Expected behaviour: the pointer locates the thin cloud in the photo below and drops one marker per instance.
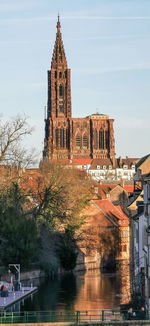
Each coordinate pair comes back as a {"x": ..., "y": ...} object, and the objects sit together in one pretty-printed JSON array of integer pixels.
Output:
[
  {"x": 107, "y": 17},
  {"x": 92, "y": 38},
  {"x": 23, "y": 86},
  {"x": 99, "y": 70},
  {"x": 110, "y": 37},
  {"x": 133, "y": 123},
  {"x": 48, "y": 18},
  {"x": 15, "y": 6},
  {"x": 23, "y": 41},
  {"x": 26, "y": 19}
]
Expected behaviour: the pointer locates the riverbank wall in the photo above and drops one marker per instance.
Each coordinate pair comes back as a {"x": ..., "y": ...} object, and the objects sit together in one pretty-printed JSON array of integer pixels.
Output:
[{"x": 28, "y": 275}]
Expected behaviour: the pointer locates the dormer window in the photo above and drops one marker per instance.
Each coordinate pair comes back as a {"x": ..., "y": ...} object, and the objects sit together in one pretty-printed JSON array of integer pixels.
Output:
[
  {"x": 110, "y": 167},
  {"x": 125, "y": 167},
  {"x": 98, "y": 167},
  {"x": 133, "y": 166},
  {"x": 104, "y": 167}
]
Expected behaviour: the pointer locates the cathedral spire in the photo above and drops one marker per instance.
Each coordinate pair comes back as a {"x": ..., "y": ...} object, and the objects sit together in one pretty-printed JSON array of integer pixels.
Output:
[
  {"x": 58, "y": 24},
  {"x": 58, "y": 52}
]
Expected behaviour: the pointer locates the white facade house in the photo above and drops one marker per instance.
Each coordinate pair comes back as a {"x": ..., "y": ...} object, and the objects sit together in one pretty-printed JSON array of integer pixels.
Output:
[
  {"x": 108, "y": 172},
  {"x": 105, "y": 169}
]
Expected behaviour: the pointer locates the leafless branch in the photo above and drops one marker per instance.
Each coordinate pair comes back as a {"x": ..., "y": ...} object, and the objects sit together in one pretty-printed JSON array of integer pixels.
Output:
[{"x": 12, "y": 133}]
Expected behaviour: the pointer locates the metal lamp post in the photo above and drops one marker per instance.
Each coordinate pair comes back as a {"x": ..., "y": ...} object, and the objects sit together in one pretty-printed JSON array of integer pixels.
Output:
[{"x": 17, "y": 268}]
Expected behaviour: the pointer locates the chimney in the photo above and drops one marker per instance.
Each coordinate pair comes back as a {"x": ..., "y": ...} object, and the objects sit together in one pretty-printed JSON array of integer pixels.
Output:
[
  {"x": 120, "y": 161},
  {"x": 122, "y": 183},
  {"x": 96, "y": 190}
]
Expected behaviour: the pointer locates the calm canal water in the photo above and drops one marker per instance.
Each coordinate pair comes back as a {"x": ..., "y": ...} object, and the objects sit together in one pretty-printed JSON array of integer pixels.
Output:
[{"x": 83, "y": 291}]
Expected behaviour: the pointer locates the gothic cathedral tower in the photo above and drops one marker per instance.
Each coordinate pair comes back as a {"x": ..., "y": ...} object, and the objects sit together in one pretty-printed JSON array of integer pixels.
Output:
[
  {"x": 57, "y": 128},
  {"x": 67, "y": 137}
]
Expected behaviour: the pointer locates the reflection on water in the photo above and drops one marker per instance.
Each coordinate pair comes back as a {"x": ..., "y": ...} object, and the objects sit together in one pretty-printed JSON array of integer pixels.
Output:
[
  {"x": 83, "y": 291},
  {"x": 97, "y": 291}
]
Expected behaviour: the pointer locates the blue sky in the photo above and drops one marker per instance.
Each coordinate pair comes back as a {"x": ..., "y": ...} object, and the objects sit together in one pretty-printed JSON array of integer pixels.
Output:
[{"x": 107, "y": 45}]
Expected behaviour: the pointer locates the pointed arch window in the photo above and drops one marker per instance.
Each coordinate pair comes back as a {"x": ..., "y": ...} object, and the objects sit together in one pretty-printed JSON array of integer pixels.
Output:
[
  {"x": 61, "y": 109},
  {"x": 96, "y": 139},
  {"x": 107, "y": 139},
  {"x": 56, "y": 88},
  {"x": 61, "y": 90},
  {"x": 60, "y": 74},
  {"x": 85, "y": 141},
  {"x": 78, "y": 142},
  {"x": 67, "y": 138},
  {"x": 101, "y": 139},
  {"x": 61, "y": 138},
  {"x": 56, "y": 135}
]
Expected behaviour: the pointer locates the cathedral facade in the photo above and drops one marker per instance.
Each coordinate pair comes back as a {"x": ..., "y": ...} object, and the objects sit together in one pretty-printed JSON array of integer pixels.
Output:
[{"x": 67, "y": 137}]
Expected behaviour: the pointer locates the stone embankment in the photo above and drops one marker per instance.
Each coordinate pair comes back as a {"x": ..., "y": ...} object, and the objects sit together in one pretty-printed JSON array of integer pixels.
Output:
[{"x": 29, "y": 275}]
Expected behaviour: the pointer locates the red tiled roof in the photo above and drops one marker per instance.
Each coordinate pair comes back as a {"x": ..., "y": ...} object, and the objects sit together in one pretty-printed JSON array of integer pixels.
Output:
[
  {"x": 115, "y": 213},
  {"x": 81, "y": 161},
  {"x": 29, "y": 180},
  {"x": 105, "y": 189},
  {"x": 101, "y": 162},
  {"x": 77, "y": 161},
  {"x": 95, "y": 217},
  {"x": 130, "y": 188},
  {"x": 126, "y": 161}
]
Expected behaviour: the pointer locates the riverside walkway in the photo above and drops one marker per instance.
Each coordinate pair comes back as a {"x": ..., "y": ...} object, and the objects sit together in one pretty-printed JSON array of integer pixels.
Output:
[{"x": 14, "y": 296}]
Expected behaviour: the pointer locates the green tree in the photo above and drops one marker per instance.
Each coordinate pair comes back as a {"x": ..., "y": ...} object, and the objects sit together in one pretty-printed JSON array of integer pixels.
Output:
[
  {"x": 62, "y": 195},
  {"x": 67, "y": 251},
  {"x": 18, "y": 238},
  {"x": 18, "y": 231}
]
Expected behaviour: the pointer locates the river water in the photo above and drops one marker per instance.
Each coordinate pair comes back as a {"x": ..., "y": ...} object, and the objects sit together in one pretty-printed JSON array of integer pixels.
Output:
[{"x": 82, "y": 291}]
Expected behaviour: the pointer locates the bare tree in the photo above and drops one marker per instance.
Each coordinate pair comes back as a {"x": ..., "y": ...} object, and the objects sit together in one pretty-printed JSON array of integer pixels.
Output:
[{"x": 12, "y": 133}]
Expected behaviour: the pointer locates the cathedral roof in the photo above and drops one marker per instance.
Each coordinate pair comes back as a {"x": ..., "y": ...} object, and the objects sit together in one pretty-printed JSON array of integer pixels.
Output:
[{"x": 98, "y": 115}]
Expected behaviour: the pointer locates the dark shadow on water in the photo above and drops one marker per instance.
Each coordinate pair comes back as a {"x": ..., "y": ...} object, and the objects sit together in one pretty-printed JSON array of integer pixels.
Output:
[
  {"x": 59, "y": 292},
  {"x": 68, "y": 292}
]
